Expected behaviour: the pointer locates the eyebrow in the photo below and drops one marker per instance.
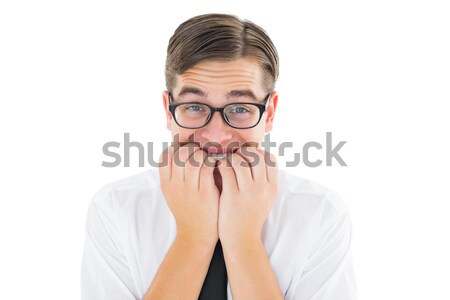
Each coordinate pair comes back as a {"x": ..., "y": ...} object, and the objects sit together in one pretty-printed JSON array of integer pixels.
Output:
[
  {"x": 191, "y": 90},
  {"x": 231, "y": 94},
  {"x": 242, "y": 93}
]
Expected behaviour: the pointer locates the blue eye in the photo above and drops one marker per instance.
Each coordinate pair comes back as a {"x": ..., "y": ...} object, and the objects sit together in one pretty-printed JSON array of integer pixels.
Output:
[
  {"x": 194, "y": 108},
  {"x": 239, "y": 109}
]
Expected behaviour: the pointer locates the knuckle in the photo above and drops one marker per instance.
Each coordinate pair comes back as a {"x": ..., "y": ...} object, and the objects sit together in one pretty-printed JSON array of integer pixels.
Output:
[
  {"x": 165, "y": 155},
  {"x": 233, "y": 159},
  {"x": 184, "y": 153},
  {"x": 244, "y": 163},
  {"x": 273, "y": 160},
  {"x": 200, "y": 155},
  {"x": 209, "y": 162},
  {"x": 193, "y": 163},
  {"x": 224, "y": 162},
  {"x": 204, "y": 170}
]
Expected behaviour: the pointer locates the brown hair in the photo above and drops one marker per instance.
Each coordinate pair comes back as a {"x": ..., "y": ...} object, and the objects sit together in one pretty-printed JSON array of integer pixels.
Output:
[{"x": 219, "y": 37}]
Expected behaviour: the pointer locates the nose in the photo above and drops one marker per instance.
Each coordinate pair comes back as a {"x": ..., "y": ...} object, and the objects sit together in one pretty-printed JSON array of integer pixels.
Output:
[{"x": 217, "y": 130}]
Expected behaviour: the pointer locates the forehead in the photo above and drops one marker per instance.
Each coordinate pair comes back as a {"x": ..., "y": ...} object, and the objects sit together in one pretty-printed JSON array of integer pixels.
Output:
[{"x": 214, "y": 77}]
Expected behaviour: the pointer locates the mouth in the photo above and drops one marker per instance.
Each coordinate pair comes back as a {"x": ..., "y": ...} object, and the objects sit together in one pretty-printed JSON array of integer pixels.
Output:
[
  {"x": 219, "y": 153},
  {"x": 218, "y": 156}
]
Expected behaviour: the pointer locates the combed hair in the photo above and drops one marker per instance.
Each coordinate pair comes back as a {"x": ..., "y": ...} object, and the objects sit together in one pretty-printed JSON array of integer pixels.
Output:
[{"x": 220, "y": 37}]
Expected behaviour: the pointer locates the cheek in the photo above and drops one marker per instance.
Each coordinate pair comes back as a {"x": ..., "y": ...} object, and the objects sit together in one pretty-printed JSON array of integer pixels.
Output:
[
  {"x": 182, "y": 134},
  {"x": 252, "y": 135}
]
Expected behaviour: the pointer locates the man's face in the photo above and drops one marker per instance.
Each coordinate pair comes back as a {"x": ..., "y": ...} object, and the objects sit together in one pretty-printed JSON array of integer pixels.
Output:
[{"x": 217, "y": 84}]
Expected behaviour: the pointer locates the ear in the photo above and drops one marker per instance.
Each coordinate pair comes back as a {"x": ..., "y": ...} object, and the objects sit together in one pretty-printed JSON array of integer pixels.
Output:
[
  {"x": 169, "y": 119},
  {"x": 270, "y": 111}
]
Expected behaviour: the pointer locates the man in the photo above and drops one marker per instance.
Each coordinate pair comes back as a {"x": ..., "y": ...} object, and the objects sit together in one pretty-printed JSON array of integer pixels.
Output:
[{"x": 218, "y": 219}]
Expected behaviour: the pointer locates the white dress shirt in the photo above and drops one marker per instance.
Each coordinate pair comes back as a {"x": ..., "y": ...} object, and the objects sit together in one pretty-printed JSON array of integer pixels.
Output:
[{"x": 129, "y": 230}]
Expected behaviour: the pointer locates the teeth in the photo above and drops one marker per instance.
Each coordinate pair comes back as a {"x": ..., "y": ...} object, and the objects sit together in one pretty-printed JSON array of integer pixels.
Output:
[{"x": 217, "y": 156}]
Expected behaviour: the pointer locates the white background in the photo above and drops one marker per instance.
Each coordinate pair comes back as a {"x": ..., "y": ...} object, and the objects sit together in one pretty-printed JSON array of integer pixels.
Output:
[{"x": 77, "y": 74}]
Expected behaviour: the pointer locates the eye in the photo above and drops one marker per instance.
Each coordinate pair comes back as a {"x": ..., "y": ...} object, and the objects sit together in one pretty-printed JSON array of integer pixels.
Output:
[
  {"x": 194, "y": 107},
  {"x": 238, "y": 109},
  {"x": 241, "y": 109}
]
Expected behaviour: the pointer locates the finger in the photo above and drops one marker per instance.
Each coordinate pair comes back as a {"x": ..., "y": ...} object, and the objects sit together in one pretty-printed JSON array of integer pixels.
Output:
[
  {"x": 180, "y": 157},
  {"x": 165, "y": 164},
  {"x": 256, "y": 162},
  {"x": 249, "y": 160},
  {"x": 206, "y": 177},
  {"x": 227, "y": 172},
  {"x": 193, "y": 165},
  {"x": 241, "y": 168},
  {"x": 271, "y": 165}
]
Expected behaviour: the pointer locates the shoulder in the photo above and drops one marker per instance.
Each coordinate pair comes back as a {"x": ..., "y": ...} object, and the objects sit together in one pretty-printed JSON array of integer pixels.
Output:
[
  {"x": 127, "y": 189},
  {"x": 303, "y": 216},
  {"x": 295, "y": 191}
]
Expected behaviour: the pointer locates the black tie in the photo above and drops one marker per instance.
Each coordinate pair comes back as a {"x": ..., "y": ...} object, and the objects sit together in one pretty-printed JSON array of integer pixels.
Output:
[{"x": 215, "y": 284}]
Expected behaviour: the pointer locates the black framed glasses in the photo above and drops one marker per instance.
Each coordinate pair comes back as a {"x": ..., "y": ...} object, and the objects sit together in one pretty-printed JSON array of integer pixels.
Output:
[{"x": 239, "y": 115}]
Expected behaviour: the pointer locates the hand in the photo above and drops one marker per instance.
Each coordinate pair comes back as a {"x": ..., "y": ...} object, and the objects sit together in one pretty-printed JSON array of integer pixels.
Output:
[
  {"x": 249, "y": 189},
  {"x": 188, "y": 186}
]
